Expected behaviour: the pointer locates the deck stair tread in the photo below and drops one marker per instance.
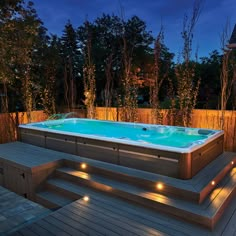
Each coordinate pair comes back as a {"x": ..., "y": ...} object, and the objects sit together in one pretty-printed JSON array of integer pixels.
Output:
[
  {"x": 212, "y": 170},
  {"x": 55, "y": 198},
  {"x": 105, "y": 183},
  {"x": 195, "y": 189},
  {"x": 195, "y": 185},
  {"x": 183, "y": 209}
]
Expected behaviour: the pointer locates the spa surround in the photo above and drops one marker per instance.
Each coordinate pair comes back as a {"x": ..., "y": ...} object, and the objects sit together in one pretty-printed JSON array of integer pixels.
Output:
[{"x": 171, "y": 162}]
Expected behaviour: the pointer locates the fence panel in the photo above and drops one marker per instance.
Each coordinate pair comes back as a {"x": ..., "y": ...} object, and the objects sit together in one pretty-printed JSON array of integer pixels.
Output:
[{"x": 10, "y": 121}]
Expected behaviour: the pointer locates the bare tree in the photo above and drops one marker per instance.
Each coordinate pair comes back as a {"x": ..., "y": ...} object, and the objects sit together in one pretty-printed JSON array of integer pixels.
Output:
[
  {"x": 228, "y": 73},
  {"x": 89, "y": 76},
  {"x": 160, "y": 73},
  {"x": 129, "y": 108},
  {"x": 109, "y": 82},
  {"x": 187, "y": 88},
  {"x": 128, "y": 99}
]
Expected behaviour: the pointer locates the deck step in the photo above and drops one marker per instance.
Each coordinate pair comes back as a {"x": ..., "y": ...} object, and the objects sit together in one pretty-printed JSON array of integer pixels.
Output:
[
  {"x": 194, "y": 190},
  {"x": 206, "y": 214},
  {"x": 52, "y": 200}
]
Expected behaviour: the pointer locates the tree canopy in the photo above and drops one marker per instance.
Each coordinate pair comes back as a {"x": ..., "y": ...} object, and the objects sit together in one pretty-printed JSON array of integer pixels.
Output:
[{"x": 43, "y": 71}]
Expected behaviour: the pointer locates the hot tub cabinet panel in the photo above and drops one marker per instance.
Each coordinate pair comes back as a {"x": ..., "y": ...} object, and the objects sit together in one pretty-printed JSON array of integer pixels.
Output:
[
  {"x": 149, "y": 159},
  {"x": 150, "y": 163},
  {"x": 33, "y": 137},
  {"x": 98, "y": 150},
  {"x": 204, "y": 155},
  {"x": 59, "y": 142},
  {"x": 174, "y": 163}
]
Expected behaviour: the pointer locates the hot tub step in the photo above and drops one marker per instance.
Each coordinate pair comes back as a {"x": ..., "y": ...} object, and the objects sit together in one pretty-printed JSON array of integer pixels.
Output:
[
  {"x": 206, "y": 214},
  {"x": 119, "y": 212},
  {"x": 194, "y": 190},
  {"x": 52, "y": 200}
]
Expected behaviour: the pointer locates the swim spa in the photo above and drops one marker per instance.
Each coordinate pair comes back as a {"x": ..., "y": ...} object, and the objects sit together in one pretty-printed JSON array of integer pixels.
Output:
[{"x": 168, "y": 150}]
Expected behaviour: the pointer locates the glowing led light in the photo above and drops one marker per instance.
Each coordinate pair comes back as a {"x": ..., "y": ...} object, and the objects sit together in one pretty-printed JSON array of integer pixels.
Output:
[
  {"x": 86, "y": 198},
  {"x": 83, "y": 166},
  {"x": 213, "y": 182},
  {"x": 232, "y": 162},
  {"x": 159, "y": 186}
]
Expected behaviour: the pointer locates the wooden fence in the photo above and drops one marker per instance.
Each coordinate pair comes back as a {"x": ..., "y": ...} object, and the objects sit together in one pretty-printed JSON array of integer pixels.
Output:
[
  {"x": 10, "y": 121},
  {"x": 210, "y": 119}
]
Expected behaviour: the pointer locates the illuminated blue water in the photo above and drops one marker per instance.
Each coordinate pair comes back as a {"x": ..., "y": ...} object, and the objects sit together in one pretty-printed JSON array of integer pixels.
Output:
[{"x": 153, "y": 134}]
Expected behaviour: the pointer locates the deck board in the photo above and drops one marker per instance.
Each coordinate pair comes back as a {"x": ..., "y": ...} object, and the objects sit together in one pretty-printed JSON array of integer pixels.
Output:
[
  {"x": 53, "y": 229},
  {"x": 28, "y": 156},
  {"x": 123, "y": 226},
  {"x": 91, "y": 221},
  {"x": 16, "y": 211},
  {"x": 64, "y": 227},
  {"x": 122, "y": 220},
  {"x": 69, "y": 219},
  {"x": 135, "y": 217},
  {"x": 39, "y": 230},
  {"x": 28, "y": 232},
  {"x": 230, "y": 224}
]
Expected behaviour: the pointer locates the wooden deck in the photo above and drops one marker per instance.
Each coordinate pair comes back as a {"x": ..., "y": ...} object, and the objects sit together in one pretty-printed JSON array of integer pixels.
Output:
[
  {"x": 16, "y": 211},
  {"x": 122, "y": 201},
  {"x": 103, "y": 215}
]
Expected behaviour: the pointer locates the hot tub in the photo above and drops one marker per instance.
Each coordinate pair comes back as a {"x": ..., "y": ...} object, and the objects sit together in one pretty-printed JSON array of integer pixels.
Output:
[{"x": 167, "y": 150}]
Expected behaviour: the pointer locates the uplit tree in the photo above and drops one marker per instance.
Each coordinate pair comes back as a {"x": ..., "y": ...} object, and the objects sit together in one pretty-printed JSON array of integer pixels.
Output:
[
  {"x": 52, "y": 68},
  {"x": 187, "y": 83},
  {"x": 228, "y": 73},
  {"x": 8, "y": 12},
  {"x": 19, "y": 26},
  {"x": 159, "y": 74},
  {"x": 134, "y": 39},
  {"x": 86, "y": 36}
]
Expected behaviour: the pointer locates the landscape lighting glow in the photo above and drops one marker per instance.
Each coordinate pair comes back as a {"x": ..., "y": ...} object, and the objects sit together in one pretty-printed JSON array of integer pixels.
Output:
[
  {"x": 86, "y": 198},
  {"x": 83, "y": 166},
  {"x": 159, "y": 186}
]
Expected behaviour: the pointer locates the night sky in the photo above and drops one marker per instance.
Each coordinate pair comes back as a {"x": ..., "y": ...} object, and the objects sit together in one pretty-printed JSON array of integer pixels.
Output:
[{"x": 169, "y": 13}]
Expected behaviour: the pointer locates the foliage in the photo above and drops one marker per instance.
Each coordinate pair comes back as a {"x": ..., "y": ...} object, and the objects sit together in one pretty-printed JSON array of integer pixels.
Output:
[
  {"x": 209, "y": 72},
  {"x": 8, "y": 11},
  {"x": 228, "y": 74},
  {"x": 159, "y": 74},
  {"x": 107, "y": 59},
  {"x": 19, "y": 27},
  {"x": 51, "y": 68},
  {"x": 108, "y": 62},
  {"x": 187, "y": 84},
  {"x": 134, "y": 40},
  {"x": 72, "y": 65},
  {"x": 89, "y": 74}
]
